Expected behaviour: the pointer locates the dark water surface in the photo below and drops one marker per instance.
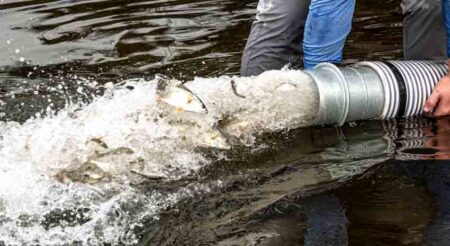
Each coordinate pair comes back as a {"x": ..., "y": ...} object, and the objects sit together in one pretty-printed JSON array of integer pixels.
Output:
[{"x": 368, "y": 183}]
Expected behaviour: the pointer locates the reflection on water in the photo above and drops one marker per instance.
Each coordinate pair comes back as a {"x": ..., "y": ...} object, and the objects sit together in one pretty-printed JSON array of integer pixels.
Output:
[
  {"x": 350, "y": 182},
  {"x": 382, "y": 183},
  {"x": 427, "y": 142},
  {"x": 128, "y": 35}
]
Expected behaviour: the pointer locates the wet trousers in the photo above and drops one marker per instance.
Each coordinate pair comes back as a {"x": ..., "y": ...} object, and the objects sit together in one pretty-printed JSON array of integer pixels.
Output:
[{"x": 276, "y": 37}]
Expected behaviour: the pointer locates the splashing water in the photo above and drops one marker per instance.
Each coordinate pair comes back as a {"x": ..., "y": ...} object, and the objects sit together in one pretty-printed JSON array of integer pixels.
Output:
[
  {"x": 35, "y": 208},
  {"x": 101, "y": 146},
  {"x": 248, "y": 106}
]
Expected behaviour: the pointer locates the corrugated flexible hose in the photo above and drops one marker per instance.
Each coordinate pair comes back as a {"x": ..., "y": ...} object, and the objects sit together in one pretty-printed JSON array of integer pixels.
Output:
[{"x": 375, "y": 90}]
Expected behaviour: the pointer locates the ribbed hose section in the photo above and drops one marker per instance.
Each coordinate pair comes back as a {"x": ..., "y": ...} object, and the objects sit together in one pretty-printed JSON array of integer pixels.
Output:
[{"x": 406, "y": 84}]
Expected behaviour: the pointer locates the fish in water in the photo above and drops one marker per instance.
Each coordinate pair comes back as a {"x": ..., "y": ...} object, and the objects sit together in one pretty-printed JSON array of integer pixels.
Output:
[
  {"x": 174, "y": 93},
  {"x": 239, "y": 108},
  {"x": 206, "y": 113}
]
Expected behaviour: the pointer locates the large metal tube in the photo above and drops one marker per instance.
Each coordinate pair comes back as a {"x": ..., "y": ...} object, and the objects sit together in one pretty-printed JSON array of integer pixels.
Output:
[{"x": 374, "y": 90}]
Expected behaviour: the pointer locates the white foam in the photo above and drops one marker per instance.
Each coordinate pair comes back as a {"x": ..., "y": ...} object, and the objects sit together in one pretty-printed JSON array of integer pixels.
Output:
[
  {"x": 33, "y": 152},
  {"x": 124, "y": 131}
]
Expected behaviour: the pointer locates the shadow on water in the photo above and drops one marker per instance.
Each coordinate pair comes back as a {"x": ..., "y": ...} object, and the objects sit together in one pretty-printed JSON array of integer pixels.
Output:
[
  {"x": 382, "y": 193},
  {"x": 374, "y": 172},
  {"x": 368, "y": 183}
]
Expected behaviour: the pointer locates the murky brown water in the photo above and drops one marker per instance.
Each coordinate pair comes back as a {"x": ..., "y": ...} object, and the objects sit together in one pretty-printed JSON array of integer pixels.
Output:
[{"x": 372, "y": 183}]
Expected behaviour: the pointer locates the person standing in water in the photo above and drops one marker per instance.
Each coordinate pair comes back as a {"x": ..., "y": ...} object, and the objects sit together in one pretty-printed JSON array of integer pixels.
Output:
[{"x": 286, "y": 30}]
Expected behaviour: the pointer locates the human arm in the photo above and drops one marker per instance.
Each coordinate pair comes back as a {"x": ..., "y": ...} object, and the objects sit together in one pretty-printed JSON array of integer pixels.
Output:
[
  {"x": 328, "y": 24},
  {"x": 438, "y": 104}
]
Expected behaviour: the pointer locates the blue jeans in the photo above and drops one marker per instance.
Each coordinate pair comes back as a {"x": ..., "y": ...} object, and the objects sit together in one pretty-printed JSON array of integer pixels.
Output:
[{"x": 277, "y": 35}]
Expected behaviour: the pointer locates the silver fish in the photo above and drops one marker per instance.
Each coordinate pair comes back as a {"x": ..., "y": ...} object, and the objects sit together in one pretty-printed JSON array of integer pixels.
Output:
[
  {"x": 245, "y": 107},
  {"x": 175, "y": 94},
  {"x": 209, "y": 113}
]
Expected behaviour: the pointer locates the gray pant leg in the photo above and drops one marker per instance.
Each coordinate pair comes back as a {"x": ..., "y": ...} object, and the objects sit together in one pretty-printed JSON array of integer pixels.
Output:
[
  {"x": 276, "y": 36},
  {"x": 423, "y": 30}
]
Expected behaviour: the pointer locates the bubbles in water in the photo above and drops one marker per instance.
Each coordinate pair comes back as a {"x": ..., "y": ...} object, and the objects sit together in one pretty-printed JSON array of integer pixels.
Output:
[
  {"x": 121, "y": 133},
  {"x": 67, "y": 177},
  {"x": 248, "y": 106}
]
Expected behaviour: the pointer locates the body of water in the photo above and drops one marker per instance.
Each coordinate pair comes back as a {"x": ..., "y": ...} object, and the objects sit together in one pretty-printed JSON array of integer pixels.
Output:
[{"x": 75, "y": 95}]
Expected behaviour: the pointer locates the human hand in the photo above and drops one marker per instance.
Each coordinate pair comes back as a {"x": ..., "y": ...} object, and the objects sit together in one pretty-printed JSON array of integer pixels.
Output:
[{"x": 438, "y": 104}]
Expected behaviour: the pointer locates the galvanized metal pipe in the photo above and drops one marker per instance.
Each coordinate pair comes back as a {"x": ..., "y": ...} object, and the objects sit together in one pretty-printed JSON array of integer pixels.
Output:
[{"x": 374, "y": 90}]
